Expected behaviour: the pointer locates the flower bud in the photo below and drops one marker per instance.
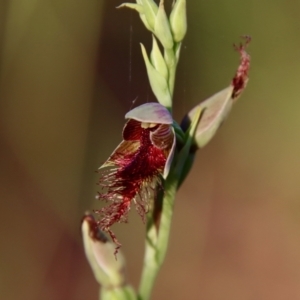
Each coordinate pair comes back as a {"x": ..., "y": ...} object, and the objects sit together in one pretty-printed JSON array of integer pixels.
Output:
[
  {"x": 178, "y": 20},
  {"x": 158, "y": 82},
  {"x": 108, "y": 271},
  {"x": 158, "y": 61},
  {"x": 149, "y": 11},
  {"x": 162, "y": 27}
]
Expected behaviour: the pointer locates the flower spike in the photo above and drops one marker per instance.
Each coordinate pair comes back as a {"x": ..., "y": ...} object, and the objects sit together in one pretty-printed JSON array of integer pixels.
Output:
[{"x": 137, "y": 165}]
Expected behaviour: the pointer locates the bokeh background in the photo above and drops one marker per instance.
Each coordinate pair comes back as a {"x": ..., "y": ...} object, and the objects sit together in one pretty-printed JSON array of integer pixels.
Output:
[{"x": 70, "y": 70}]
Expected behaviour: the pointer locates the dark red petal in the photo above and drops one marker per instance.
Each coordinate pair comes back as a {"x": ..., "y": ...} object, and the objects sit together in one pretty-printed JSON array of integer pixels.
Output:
[
  {"x": 162, "y": 137},
  {"x": 132, "y": 130}
]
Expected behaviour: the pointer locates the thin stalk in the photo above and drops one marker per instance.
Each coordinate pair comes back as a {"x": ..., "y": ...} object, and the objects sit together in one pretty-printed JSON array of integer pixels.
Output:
[
  {"x": 119, "y": 293},
  {"x": 157, "y": 244},
  {"x": 157, "y": 236},
  {"x": 157, "y": 241}
]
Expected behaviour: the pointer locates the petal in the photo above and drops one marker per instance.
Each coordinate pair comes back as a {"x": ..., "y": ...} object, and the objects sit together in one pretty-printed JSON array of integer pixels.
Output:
[
  {"x": 151, "y": 112},
  {"x": 164, "y": 138},
  {"x": 132, "y": 131}
]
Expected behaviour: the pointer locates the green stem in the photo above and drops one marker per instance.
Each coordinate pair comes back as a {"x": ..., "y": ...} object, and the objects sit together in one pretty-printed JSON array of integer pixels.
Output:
[
  {"x": 166, "y": 217},
  {"x": 149, "y": 273},
  {"x": 121, "y": 293},
  {"x": 157, "y": 243},
  {"x": 157, "y": 239},
  {"x": 157, "y": 236},
  {"x": 186, "y": 168},
  {"x": 171, "y": 63}
]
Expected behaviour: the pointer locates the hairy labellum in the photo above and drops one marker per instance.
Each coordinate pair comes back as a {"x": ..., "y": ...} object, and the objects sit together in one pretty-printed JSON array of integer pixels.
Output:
[{"x": 137, "y": 165}]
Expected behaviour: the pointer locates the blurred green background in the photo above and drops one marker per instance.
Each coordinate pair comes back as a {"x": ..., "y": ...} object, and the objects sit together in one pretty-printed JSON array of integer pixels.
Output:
[{"x": 70, "y": 70}]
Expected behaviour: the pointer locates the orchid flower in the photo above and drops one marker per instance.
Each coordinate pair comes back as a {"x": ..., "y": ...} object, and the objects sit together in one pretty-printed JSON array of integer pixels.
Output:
[
  {"x": 143, "y": 164},
  {"x": 136, "y": 167}
]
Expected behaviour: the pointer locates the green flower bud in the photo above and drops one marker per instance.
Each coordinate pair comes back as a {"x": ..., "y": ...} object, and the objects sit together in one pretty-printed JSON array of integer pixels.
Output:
[
  {"x": 157, "y": 60},
  {"x": 162, "y": 27},
  {"x": 144, "y": 20},
  {"x": 149, "y": 12},
  {"x": 178, "y": 20},
  {"x": 158, "y": 83}
]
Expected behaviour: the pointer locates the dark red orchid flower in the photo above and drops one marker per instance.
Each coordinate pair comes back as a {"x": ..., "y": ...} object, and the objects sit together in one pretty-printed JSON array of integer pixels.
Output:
[{"x": 134, "y": 170}]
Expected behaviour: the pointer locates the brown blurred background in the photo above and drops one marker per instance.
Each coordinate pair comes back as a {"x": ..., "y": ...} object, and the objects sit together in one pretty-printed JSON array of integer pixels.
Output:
[{"x": 70, "y": 70}]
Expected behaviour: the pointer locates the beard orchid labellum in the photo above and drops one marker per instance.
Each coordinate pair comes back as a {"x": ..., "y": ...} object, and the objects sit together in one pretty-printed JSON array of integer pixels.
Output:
[{"x": 134, "y": 170}]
